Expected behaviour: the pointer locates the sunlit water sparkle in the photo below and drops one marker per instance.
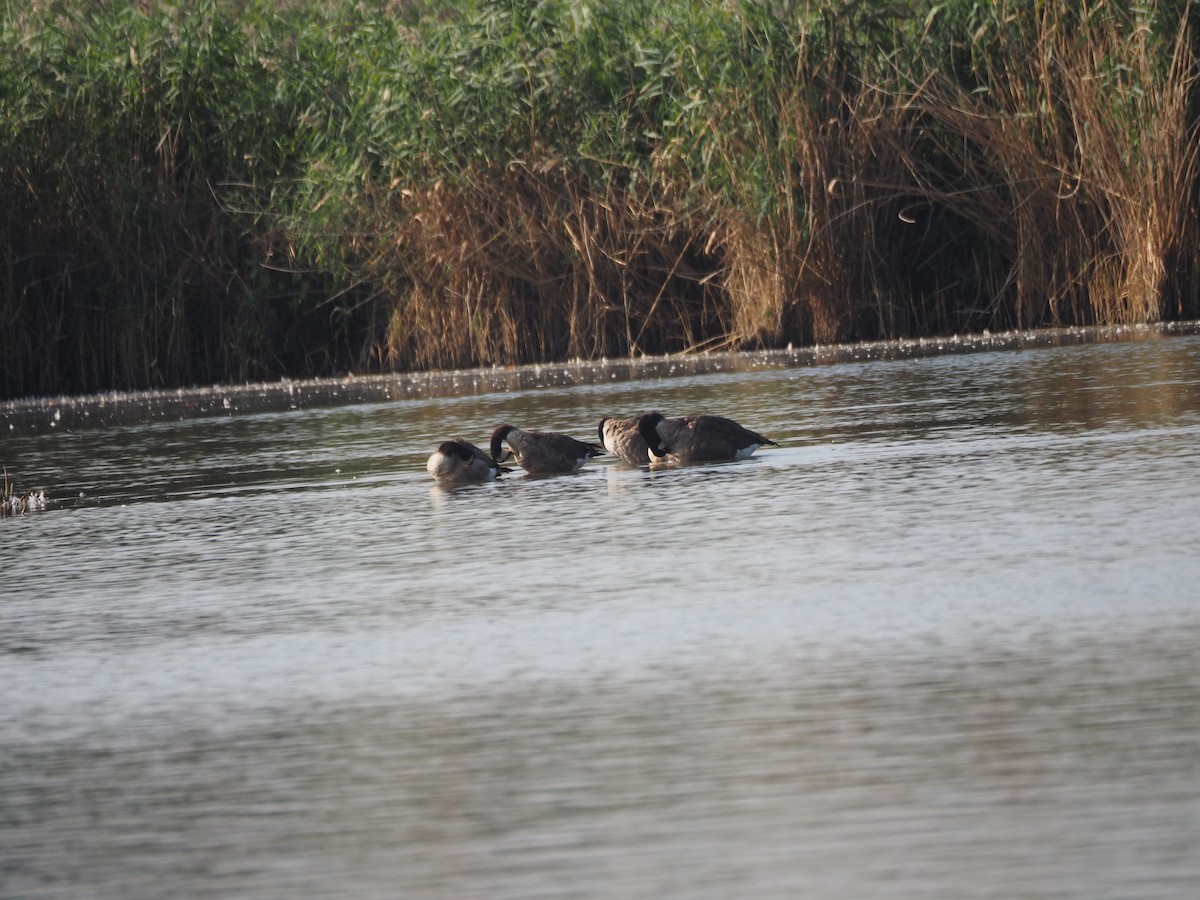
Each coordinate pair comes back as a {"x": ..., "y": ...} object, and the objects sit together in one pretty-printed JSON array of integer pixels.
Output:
[{"x": 941, "y": 643}]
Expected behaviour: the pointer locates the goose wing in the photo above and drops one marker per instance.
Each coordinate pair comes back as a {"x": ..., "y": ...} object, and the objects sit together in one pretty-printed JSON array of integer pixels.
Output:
[
  {"x": 708, "y": 438},
  {"x": 545, "y": 452}
]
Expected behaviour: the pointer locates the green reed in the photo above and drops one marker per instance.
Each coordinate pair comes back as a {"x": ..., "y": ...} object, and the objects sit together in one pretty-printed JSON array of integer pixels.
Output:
[{"x": 214, "y": 191}]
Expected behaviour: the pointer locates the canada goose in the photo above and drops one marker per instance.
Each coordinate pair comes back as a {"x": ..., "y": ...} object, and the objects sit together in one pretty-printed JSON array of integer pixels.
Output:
[
  {"x": 622, "y": 438},
  {"x": 461, "y": 462},
  {"x": 543, "y": 452},
  {"x": 697, "y": 438}
]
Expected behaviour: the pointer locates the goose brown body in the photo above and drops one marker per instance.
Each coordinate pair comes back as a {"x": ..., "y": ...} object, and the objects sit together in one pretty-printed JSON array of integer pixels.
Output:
[
  {"x": 543, "y": 452},
  {"x": 621, "y": 437},
  {"x": 697, "y": 439},
  {"x": 461, "y": 462}
]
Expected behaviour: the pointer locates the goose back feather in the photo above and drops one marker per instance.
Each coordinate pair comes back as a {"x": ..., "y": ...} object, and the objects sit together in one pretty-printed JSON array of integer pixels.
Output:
[
  {"x": 543, "y": 452},
  {"x": 698, "y": 439},
  {"x": 461, "y": 462}
]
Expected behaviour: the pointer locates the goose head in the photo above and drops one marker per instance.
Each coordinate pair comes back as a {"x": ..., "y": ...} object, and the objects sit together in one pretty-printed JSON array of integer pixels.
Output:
[
  {"x": 648, "y": 429},
  {"x": 499, "y": 454}
]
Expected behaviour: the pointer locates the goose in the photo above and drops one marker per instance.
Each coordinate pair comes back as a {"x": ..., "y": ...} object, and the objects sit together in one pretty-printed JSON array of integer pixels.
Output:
[
  {"x": 543, "y": 452},
  {"x": 697, "y": 439},
  {"x": 461, "y": 462},
  {"x": 622, "y": 438}
]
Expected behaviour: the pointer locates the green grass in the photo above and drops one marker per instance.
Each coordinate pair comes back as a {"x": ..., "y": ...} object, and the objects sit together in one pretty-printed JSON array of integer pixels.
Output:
[{"x": 217, "y": 191}]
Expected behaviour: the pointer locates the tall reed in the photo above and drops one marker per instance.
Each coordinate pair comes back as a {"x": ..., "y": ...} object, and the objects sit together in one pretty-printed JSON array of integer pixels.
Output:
[
  {"x": 1076, "y": 157},
  {"x": 232, "y": 189},
  {"x": 143, "y": 157}
]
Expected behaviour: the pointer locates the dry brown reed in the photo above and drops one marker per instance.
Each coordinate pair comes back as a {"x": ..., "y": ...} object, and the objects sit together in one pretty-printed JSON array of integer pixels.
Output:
[
  {"x": 1079, "y": 165},
  {"x": 906, "y": 208},
  {"x": 528, "y": 263}
]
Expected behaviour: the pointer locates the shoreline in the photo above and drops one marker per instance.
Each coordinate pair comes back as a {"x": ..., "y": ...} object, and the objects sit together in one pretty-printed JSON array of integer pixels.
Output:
[{"x": 47, "y": 414}]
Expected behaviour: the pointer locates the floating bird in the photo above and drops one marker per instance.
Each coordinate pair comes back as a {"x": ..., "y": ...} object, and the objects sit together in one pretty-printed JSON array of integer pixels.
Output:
[
  {"x": 461, "y": 462},
  {"x": 622, "y": 438},
  {"x": 543, "y": 452},
  {"x": 697, "y": 439},
  {"x": 18, "y": 504}
]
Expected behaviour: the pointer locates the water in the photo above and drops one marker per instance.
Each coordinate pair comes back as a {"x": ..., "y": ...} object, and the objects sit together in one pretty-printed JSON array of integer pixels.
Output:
[{"x": 943, "y": 642}]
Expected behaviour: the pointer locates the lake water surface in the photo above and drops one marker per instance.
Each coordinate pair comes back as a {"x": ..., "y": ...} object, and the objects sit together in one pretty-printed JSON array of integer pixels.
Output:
[{"x": 943, "y": 642}]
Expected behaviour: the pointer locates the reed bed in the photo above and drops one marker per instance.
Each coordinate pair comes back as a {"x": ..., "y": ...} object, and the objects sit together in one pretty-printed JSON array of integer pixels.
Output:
[{"x": 236, "y": 189}]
